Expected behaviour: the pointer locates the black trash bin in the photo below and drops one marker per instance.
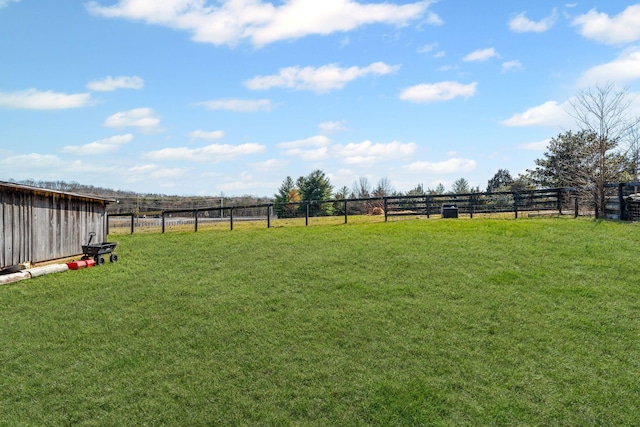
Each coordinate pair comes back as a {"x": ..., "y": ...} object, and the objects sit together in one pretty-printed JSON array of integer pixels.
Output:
[{"x": 449, "y": 212}]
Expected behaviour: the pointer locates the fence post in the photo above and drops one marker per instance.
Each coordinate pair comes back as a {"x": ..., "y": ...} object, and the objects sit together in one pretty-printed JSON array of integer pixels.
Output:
[
  {"x": 306, "y": 213},
  {"x": 471, "y": 206},
  {"x": 195, "y": 213},
  {"x": 516, "y": 196},
  {"x": 427, "y": 202},
  {"x": 162, "y": 221},
  {"x": 386, "y": 206},
  {"x": 269, "y": 216},
  {"x": 576, "y": 204},
  {"x": 559, "y": 201},
  {"x": 345, "y": 211},
  {"x": 621, "y": 202},
  {"x": 231, "y": 217}
]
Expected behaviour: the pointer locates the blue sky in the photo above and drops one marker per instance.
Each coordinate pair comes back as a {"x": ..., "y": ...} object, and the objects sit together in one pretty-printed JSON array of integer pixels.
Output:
[{"x": 196, "y": 97}]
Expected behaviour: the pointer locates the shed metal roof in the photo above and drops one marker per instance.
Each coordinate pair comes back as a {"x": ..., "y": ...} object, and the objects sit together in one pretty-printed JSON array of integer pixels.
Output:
[{"x": 46, "y": 191}]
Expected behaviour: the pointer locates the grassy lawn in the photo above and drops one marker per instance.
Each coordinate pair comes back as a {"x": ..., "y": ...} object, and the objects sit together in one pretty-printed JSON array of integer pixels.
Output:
[{"x": 440, "y": 322}]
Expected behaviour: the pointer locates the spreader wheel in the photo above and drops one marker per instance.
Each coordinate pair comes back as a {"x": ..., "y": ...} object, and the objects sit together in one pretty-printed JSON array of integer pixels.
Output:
[
  {"x": 98, "y": 259},
  {"x": 113, "y": 258}
]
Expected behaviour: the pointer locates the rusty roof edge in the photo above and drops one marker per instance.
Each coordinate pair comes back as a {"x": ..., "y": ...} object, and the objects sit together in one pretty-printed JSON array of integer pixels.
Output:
[{"x": 48, "y": 191}]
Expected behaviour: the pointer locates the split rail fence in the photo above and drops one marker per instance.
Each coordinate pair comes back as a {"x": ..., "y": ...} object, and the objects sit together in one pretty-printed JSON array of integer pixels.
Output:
[{"x": 552, "y": 201}]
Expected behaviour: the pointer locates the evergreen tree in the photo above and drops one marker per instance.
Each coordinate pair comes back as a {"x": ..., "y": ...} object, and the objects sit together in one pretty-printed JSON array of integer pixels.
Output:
[
  {"x": 568, "y": 162},
  {"x": 285, "y": 192},
  {"x": 417, "y": 191},
  {"x": 501, "y": 181},
  {"x": 460, "y": 186},
  {"x": 438, "y": 190},
  {"x": 316, "y": 187}
]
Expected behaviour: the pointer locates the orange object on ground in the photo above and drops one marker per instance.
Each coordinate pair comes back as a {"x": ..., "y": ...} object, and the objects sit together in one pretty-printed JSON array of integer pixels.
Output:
[{"x": 77, "y": 265}]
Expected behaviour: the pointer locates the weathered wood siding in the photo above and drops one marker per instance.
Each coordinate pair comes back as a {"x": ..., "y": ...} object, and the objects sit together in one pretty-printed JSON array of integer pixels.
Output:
[{"x": 38, "y": 225}]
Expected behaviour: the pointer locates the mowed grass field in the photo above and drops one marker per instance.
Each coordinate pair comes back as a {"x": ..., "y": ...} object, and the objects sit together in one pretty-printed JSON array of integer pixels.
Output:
[{"x": 431, "y": 322}]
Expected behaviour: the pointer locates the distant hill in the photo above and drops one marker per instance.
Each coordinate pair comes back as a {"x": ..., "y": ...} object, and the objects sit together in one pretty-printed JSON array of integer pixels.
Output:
[{"x": 130, "y": 201}]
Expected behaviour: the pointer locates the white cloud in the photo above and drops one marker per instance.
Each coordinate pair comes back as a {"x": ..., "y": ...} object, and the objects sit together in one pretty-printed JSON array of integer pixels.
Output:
[
  {"x": 433, "y": 19},
  {"x": 308, "y": 155},
  {"x": 624, "y": 69},
  {"x": 238, "y": 105},
  {"x": 213, "y": 153},
  {"x": 231, "y": 21},
  {"x": 363, "y": 153},
  {"x": 521, "y": 24},
  {"x": 33, "y": 99},
  {"x": 622, "y": 28},
  {"x": 368, "y": 153},
  {"x": 50, "y": 167},
  {"x": 549, "y": 114},
  {"x": 34, "y": 160},
  {"x": 151, "y": 171},
  {"x": 308, "y": 149},
  {"x": 269, "y": 165},
  {"x": 142, "y": 168},
  {"x": 443, "y": 91},
  {"x": 454, "y": 165},
  {"x": 331, "y": 127},
  {"x": 319, "y": 79},
  {"x": 168, "y": 173},
  {"x": 536, "y": 146},
  {"x": 245, "y": 182},
  {"x": 511, "y": 66},
  {"x": 481, "y": 55},
  {"x": 4, "y": 3},
  {"x": 314, "y": 141},
  {"x": 144, "y": 119},
  {"x": 201, "y": 134},
  {"x": 109, "y": 83},
  {"x": 101, "y": 146},
  {"x": 427, "y": 48}
]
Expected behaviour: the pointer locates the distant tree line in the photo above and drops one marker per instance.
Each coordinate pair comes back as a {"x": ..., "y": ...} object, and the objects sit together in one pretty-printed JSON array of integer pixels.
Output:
[
  {"x": 144, "y": 203},
  {"x": 605, "y": 148},
  {"x": 317, "y": 187}
]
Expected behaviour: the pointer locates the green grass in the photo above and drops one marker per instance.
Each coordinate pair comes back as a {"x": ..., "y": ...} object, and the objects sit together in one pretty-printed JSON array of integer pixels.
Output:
[{"x": 442, "y": 322}]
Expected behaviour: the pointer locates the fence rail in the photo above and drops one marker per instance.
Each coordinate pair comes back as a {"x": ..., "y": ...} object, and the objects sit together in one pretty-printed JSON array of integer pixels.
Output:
[
  {"x": 622, "y": 201},
  {"x": 558, "y": 200}
]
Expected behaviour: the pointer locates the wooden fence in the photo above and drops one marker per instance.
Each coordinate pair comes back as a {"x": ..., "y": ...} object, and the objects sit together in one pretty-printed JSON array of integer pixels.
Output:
[
  {"x": 622, "y": 201},
  {"x": 551, "y": 201}
]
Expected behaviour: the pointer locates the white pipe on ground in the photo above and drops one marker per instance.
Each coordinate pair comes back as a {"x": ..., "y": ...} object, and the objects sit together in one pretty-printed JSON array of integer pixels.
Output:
[
  {"x": 14, "y": 277},
  {"x": 32, "y": 272},
  {"x": 47, "y": 269}
]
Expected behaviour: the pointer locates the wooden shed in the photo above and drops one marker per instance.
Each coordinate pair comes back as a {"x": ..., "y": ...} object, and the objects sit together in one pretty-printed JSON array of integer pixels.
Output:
[{"x": 38, "y": 225}]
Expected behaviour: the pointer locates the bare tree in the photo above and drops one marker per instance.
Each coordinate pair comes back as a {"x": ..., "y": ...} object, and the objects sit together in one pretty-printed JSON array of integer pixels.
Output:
[
  {"x": 633, "y": 149},
  {"x": 362, "y": 188},
  {"x": 384, "y": 188},
  {"x": 603, "y": 111}
]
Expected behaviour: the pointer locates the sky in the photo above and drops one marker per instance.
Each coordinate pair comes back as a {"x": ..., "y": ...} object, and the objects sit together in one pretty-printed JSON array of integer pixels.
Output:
[{"x": 204, "y": 97}]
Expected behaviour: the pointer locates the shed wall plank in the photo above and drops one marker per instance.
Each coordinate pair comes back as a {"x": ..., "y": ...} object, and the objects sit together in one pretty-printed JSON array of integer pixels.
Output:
[{"x": 36, "y": 226}]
